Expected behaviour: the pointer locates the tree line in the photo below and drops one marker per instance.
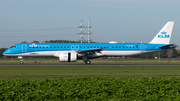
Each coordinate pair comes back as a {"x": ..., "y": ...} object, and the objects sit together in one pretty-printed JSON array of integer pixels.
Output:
[
  {"x": 58, "y": 41},
  {"x": 169, "y": 53}
]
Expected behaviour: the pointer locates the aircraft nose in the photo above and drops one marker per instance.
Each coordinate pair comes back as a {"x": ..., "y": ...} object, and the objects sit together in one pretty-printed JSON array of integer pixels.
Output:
[{"x": 5, "y": 52}]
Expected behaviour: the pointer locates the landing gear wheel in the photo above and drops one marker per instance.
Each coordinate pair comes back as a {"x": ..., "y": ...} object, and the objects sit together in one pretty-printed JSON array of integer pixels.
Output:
[
  {"x": 21, "y": 62},
  {"x": 88, "y": 62}
]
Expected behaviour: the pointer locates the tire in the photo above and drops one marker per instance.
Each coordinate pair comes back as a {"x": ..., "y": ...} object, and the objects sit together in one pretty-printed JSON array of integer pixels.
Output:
[
  {"x": 88, "y": 62},
  {"x": 21, "y": 62}
]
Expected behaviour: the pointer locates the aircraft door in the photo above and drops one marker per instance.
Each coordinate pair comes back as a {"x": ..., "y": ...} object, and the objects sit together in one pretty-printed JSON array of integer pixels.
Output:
[
  {"x": 142, "y": 47},
  {"x": 24, "y": 47}
]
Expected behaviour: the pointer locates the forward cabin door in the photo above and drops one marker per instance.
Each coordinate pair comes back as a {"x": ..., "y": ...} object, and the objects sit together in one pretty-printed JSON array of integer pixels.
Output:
[{"x": 24, "y": 47}]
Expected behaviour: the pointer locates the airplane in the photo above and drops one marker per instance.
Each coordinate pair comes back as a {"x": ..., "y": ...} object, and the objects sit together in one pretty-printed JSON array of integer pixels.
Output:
[{"x": 70, "y": 52}]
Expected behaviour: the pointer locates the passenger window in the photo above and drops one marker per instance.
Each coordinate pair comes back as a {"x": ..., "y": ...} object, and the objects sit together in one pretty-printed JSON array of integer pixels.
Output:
[
  {"x": 64, "y": 47},
  {"x": 29, "y": 47},
  {"x": 80, "y": 46},
  {"x": 123, "y": 46},
  {"x": 97, "y": 46},
  {"x": 54, "y": 47},
  {"x": 133, "y": 46},
  {"x": 51, "y": 47},
  {"x": 43, "y": 47},
  {"x": 119, "y": 46},
  {"x": 39, "y": 47},
  {"x": 116, "y": 47},
  {"x": 113, "y": 47},
  {"x": 88, "y": 47},
  {"x": 36, "y": 47},
  {"x": 76, "y": 46},
  {"x": 94, "y": 46},
  {"x": 33, "y": 47},
  {"x": 126, "y": 46},
  {"x": 136, "y": 46},
  {"x": 84, "y": 47},
  {"x": 91, "y": 46},
  {"x": 58, "y": 47},
  {"x": 46, "y": 47}
]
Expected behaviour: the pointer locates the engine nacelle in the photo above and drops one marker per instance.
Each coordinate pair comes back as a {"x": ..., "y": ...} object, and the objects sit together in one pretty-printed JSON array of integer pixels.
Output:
[{"x": 68, "y": 57}]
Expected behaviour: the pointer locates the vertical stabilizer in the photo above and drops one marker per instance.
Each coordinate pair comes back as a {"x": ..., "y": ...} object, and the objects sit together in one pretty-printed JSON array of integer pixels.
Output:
[{"x": 164, "y": 35}]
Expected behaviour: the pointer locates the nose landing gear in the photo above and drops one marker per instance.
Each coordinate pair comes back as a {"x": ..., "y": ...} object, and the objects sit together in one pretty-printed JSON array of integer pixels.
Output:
[{"x": 21, "y": 61}]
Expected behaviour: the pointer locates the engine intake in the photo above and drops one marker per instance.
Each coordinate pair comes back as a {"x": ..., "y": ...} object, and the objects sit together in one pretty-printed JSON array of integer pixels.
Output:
[{"x": 68, "y": 57}]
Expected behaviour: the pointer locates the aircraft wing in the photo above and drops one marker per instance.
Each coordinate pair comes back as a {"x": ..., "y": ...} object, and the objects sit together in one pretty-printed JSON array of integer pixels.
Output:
[{"x": 90, "y": 50}]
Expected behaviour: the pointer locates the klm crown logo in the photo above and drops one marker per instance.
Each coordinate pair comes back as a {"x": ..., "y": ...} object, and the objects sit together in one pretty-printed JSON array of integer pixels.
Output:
[
  {"x": 163, "y": 35},
  {"x": 163, "y": 32},
  {"x": 65, "y": 56},
  {"x": 33, "y": 45}
]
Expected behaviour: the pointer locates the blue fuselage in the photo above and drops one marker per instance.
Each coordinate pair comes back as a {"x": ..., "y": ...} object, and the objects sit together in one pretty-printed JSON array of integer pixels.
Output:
[{"x": 34, "y": 48}]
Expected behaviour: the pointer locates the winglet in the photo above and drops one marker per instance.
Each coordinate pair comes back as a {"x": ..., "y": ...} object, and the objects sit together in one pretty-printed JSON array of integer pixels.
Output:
[{"x": 164, "y": 35}]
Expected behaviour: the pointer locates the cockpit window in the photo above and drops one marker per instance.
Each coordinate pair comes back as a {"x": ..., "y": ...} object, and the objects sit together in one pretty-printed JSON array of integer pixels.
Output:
[{"x": 13, "y": 47}]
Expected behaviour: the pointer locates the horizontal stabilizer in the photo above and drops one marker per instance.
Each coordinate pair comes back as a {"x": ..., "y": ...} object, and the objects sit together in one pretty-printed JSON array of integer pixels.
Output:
[
  {"x": 174, "y": 46},
  {"x": 166, "y": 46}
]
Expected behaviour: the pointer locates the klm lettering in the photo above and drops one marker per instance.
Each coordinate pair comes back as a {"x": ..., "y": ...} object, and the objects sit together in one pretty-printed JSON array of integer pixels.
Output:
[{"x": 163, "y": 36}]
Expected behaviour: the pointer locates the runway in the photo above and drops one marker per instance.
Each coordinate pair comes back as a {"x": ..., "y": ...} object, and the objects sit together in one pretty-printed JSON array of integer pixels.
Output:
[{"x": 90, "y": 65}]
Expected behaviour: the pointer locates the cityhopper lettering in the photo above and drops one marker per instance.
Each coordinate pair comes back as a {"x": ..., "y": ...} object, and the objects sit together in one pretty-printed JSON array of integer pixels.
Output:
[{"x": 163, "y": 35}]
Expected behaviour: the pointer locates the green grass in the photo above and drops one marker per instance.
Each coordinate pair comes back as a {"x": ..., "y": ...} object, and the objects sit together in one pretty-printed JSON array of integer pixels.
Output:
[
  {"x": 116, "y": 83},
  {"x": 93, "y": 61},
  {"x": 55, "y": 72}
]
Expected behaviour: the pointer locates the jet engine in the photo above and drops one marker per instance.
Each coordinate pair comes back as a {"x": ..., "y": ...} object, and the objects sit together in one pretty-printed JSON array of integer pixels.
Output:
[{"x": 68, "y": 57}]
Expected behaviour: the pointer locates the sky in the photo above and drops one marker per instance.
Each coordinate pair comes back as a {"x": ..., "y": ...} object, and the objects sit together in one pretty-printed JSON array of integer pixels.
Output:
[{"x": 111, "y": 20}]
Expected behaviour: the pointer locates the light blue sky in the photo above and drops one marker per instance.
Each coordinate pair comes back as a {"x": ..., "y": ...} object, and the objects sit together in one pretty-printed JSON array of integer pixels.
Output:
[{"x": 111, "y": 20}]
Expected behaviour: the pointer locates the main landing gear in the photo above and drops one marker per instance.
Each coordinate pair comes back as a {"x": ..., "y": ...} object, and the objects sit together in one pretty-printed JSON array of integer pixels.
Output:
[
  {"x": 85, "y": 59},
  {"x": 88, "y": 62}
]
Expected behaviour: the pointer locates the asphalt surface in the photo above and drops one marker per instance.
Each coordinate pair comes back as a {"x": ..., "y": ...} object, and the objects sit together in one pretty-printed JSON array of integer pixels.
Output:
[{"x": 90, "y": 65}]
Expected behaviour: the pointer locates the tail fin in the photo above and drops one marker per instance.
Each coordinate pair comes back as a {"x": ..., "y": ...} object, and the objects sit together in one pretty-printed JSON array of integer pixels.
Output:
[{"x": 164, "y": 35}]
